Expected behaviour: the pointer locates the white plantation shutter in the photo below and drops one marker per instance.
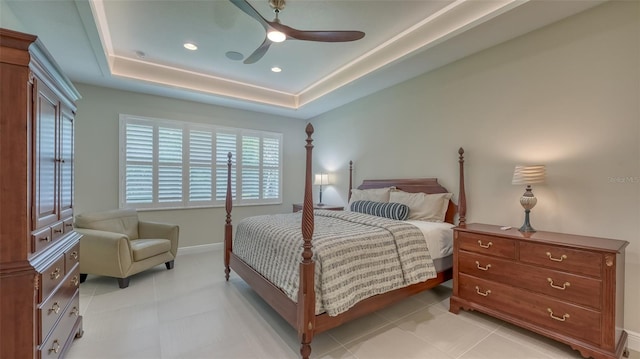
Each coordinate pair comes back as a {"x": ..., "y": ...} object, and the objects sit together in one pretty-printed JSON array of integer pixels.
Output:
[
  {"x": 174, "y": 164},
  {"x": 271, "y": 168},
  {"x": 200, "y": 169},
  {"x": 169, "y": 164},
  {"x": 139, "y": 163},
  {"x": 250, "y": 167}
]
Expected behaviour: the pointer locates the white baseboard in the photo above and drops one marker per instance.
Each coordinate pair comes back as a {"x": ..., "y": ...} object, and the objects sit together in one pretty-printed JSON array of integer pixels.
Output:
[
  {"x": 201, "y": 248},
  {"x": 634, "y": 341}
]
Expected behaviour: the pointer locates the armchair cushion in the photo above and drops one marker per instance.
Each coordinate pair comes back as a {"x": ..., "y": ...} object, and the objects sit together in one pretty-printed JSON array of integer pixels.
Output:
[
  {"x": 146, "y": 248},
  {"x": 123, "y": 221}
]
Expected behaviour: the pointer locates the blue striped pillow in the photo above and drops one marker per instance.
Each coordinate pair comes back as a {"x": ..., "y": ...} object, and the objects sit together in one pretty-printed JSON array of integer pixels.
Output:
[{"x": 389, "y": 210}]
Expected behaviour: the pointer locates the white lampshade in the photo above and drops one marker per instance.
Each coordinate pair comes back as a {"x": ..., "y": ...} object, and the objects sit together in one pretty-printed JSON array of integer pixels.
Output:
[
  {"x": 528, "y": 174},
  {"x": 321, "y": 179}
]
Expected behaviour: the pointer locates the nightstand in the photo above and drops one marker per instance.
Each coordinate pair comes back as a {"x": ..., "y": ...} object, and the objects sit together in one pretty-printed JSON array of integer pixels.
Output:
[
  {"x": 569, "y": 288},
  {"x": 298, "y": 207}
]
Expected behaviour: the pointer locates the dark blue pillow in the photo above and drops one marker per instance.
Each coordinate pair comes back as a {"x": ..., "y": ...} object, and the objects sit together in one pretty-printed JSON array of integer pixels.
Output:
[{"x": 389, "y": 210}]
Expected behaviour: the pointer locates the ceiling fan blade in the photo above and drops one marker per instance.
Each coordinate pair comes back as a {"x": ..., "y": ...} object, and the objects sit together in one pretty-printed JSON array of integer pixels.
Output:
[
  {"x": 313, "y": 35},
  {"x": 249, "y": 10},
  {"x": 259, "y": 52}
]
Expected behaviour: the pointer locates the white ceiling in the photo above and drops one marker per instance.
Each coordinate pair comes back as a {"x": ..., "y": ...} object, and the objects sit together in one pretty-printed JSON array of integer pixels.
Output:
[{"x": 96, "y": 42}]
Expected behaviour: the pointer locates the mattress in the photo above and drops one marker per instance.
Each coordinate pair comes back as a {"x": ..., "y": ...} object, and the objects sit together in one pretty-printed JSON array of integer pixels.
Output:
[{"x": 439, "y": 238}]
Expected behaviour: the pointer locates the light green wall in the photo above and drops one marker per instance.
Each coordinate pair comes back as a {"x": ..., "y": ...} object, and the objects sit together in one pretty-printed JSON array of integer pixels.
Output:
[
  {"x": 567, "y": 96},
  {"x": 8, "y": 19},
  {"x": 96, "y": 161}
]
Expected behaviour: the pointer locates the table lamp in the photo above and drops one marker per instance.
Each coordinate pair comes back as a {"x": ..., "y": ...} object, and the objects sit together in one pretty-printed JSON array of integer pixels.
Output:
[{"x": 528, "y": 175}]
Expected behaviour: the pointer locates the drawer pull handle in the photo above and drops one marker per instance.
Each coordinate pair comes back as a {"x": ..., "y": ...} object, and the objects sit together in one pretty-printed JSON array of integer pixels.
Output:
[
  {"x": 485, "y": 293},
  {"x": 562, "y": 257},
  {"x": 57, "y": 230},
  {"x": 55, "y": 308},
  {"x": 75, "y": 281},
  {"x": 68, "y": 224},
  {"x": 45, "y": 239},
  {"x": 483, "y": 268},
  {"x": 74, "y": 255},
  {"x": 564, "y": 316},
  {"x": 55, "y": 274},
  {"x": 564, "y": 286},
  {"x": 485, "y": 245},
  {"x": 55, "y": 347},
  {"x": 74, "y": 311}
]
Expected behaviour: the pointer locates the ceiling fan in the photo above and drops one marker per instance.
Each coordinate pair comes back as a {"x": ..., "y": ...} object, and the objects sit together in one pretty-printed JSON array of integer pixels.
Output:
[{"x": 277, "y": 32}]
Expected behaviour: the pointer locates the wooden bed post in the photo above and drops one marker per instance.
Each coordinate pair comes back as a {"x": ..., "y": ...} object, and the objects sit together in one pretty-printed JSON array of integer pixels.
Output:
[
  {"x": 350, "y": 181},
  {"x": 462, "y": 199},
  {"x": 306, "y": 292},
  {"x": 228, "y": 228}
]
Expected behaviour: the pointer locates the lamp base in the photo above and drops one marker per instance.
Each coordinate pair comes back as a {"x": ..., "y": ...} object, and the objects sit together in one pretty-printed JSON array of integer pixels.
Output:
[{"x": 526, "y": 227}]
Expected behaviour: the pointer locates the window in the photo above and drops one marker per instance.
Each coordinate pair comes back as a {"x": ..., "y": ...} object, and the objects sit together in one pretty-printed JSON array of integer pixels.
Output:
[{"x": 174, "y": 164}]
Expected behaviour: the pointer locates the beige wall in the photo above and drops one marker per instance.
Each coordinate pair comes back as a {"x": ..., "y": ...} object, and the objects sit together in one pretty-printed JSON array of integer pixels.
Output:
[
  {"x": 96, "y": 187},
  {"x": 566, "y": 96}
]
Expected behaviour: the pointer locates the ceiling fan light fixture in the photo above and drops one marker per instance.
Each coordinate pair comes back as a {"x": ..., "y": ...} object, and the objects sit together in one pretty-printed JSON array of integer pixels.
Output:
[{"x": 276, "y": 36}]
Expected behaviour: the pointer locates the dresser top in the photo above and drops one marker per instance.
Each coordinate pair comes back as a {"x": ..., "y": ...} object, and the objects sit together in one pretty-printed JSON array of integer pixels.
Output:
[{"x": 572, "y": 240}]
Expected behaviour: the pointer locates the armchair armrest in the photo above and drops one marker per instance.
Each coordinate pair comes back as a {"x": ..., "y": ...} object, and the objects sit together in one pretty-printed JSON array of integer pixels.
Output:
[
  {"x": 104, "y": 253},
  {"x": 160, "y": 230}
]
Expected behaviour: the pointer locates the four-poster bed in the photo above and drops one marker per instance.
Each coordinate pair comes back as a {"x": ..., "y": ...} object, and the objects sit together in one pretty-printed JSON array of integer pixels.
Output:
[{"x": 301, "y": 311}]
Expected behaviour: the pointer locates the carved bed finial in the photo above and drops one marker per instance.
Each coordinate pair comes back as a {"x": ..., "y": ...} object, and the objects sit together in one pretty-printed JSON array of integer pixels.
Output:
[
  {"x": 350, "y": 181},
  {"x": 462, "y": 199},
  {"x": 228, "y": 228}
]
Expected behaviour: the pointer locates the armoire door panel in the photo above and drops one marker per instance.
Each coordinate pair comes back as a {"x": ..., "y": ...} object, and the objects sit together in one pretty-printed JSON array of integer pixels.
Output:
[
  {"x": 45, "y": 207},
  {"x": 66, "y": 164}
]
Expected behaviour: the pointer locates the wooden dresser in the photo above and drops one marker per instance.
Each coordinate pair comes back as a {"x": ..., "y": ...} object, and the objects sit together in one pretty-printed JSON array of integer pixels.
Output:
[
  {"x": 567, "y": 287},
  {"x": 39, "y": 250}
]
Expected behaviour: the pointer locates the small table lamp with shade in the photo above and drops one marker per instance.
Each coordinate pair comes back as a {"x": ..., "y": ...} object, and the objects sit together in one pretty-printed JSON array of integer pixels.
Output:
[
  {"x": 528, "y": 175},
  {"x": 321, "y": 179}
]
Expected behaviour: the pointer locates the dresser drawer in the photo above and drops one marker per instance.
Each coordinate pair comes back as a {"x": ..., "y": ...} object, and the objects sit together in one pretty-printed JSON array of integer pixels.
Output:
[
  {"x": 542, "y": 310},
  {"x": 561, "y": 285},
  {"x": 51, "y": 277},
  {"x": 495, "y": 246},
  {"x": 561, "y": 258},
  {"x": 52, "y": 348}
]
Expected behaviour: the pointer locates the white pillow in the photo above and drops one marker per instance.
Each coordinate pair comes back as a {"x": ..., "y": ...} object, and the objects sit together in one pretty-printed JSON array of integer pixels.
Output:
[
  {"x": 374, "y": 194},
  {"x": 422, "y": 206}
]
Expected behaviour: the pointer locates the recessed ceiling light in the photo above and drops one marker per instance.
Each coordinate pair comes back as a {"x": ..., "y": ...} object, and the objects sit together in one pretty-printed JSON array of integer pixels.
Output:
[
  {"x": 276, "y": 69},
  {"x": 190, "y": 46}
]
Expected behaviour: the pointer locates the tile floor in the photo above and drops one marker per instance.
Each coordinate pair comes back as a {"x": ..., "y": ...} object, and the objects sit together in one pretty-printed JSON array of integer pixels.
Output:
[{"x": 191, "y": 312}]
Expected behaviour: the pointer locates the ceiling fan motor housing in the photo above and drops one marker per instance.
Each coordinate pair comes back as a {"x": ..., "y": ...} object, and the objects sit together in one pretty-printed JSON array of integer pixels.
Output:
[{"x": 278, "y": 5}]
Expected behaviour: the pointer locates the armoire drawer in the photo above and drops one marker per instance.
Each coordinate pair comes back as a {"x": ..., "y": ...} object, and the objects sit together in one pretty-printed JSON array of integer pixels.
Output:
[
  {"x": 41, "y": 239},
  {"x": 560, "y": 316},
  {"x": 53, "y": 308},
  {"x": 51, "y": 277},
  {"x": 72, "y": 257},
  {"x": 52, "y": 348}
]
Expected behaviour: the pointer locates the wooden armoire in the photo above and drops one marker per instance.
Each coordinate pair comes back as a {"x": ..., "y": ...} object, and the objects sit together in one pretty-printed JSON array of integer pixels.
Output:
[{"x": 39, "y": 250}]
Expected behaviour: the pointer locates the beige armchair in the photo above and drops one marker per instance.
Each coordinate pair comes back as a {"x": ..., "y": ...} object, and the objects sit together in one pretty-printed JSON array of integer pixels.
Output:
[{"x": 116, "y": 244}]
